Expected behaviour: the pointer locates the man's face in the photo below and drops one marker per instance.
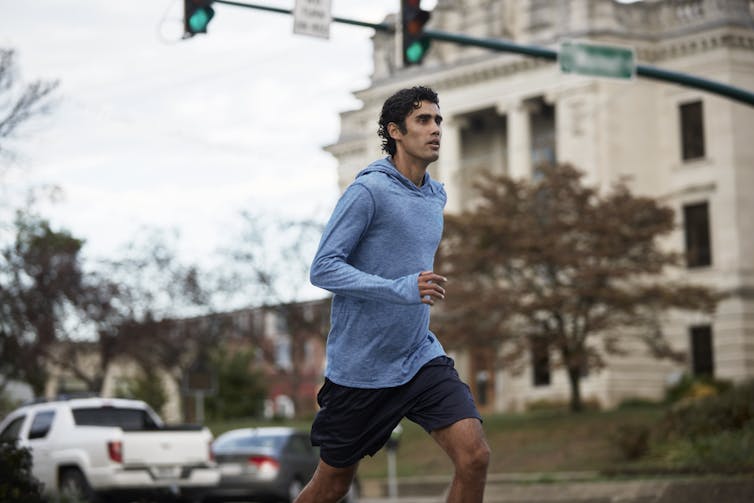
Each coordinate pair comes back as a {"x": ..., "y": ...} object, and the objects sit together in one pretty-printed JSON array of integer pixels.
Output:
[{"x": 422, "y": 137}]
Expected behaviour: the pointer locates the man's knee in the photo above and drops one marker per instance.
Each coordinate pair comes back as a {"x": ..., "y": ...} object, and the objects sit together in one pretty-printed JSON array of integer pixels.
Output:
[
  {"x": 327, "y": 485},
  {"x": 324, "y": 491},
  {"x": 476, "y": 459},
  {"x": 482, "y": 456},
  {"x": 339, "y": 488}
]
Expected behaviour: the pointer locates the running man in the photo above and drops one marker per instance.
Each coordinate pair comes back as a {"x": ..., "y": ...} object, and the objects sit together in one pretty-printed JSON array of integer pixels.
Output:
[{"x": 376, "y": 256}]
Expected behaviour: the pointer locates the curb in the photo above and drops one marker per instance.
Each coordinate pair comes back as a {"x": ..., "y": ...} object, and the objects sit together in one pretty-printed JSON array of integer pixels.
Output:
[{"x": 580, "y": 487}]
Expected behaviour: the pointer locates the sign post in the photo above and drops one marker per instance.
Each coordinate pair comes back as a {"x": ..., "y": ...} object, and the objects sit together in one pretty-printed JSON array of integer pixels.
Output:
[
  {"x": 312, "y": 17},
  {"x": 392, "y": 471},
  {"x": 597, "y": 60},
  {"x": 201, "y": 380}
]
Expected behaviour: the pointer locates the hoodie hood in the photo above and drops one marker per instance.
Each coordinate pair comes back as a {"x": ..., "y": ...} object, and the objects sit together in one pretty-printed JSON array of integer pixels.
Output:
[{"x": 384, "y": 165}]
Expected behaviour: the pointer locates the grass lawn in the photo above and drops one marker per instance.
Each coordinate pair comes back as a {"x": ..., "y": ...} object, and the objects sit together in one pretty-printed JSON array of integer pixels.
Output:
[
  {"x": 533, "y": 442},
  {"x": 543, "y": 441}
]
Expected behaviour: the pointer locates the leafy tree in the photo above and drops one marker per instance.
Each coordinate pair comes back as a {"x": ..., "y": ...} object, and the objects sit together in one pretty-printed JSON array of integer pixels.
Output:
[
  {"x": 26, "y": 314},
  {"x": 551, "y": 263},
  {"x": 55, "y": 313},
  {"x": 40, "y": 282},
  {"x": 147, "y": 387},
  {"x": 52, "y": 311},
  {"x": 240, "y": 392},
  {"x": 17, "y": 484}
]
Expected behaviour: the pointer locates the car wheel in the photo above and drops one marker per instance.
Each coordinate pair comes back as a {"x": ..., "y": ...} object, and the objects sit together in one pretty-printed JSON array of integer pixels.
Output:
[
  {"x": 74, "y": 486},
  {"x": 294, "y": 488}
]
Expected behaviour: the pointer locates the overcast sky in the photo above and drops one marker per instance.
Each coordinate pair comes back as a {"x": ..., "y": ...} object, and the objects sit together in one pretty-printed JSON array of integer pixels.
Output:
[{"x": 151, "y": 130}]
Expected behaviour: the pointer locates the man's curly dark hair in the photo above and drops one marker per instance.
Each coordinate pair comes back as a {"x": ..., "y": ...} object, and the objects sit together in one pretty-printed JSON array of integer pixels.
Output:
[{"x": 397, "y": 107}]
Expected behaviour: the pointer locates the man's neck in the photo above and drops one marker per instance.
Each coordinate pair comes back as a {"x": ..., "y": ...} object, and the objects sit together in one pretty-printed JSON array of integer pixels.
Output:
[{"x": 412, "y": 170}]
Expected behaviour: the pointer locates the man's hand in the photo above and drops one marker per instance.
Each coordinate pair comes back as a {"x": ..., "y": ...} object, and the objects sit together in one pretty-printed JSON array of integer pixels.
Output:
[{"x": 430, "y": 287}]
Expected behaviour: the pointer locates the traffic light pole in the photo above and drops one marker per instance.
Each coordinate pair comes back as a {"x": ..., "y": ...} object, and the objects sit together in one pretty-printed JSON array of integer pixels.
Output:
[
  {"x": 646, "y": 71},
  {"x": 387, "y": 27}
]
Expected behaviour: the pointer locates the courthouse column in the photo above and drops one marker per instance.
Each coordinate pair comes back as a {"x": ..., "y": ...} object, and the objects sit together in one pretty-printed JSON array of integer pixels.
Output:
[
  {"x": 449, "y": 168},
  {"x": 519, "y": 138}
]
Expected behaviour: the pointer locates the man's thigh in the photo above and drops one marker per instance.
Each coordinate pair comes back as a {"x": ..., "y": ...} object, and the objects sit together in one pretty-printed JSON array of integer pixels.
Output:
[
  {"x": 353, "y": 423},
  {"x": 441, "y": 399}
]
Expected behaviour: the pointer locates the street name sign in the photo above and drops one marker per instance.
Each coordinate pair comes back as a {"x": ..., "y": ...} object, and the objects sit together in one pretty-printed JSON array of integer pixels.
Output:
[
  {"x": 597, "y": 60},
  {"x": 312, "y": 17}
]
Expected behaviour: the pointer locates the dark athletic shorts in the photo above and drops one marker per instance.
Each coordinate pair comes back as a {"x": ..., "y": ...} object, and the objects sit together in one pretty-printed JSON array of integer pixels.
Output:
[{"x": 354, "y": 422}]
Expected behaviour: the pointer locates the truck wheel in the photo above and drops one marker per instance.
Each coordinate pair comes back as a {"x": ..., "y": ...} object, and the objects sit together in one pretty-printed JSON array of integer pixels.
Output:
[{"x": 74, "y": 487}]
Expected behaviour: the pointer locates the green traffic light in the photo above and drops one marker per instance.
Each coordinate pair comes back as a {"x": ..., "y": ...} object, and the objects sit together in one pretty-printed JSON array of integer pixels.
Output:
[
  {"x": 200, "y": 19},
  {"x": 415, "y": 52}
]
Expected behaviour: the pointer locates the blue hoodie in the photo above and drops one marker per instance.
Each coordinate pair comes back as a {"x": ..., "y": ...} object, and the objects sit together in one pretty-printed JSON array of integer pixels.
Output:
[{"x": 383, "y": 232}]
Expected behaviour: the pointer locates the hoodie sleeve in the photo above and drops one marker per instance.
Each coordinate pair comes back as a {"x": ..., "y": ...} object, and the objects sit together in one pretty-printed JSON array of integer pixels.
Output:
[{"x": 330, "y": 269}]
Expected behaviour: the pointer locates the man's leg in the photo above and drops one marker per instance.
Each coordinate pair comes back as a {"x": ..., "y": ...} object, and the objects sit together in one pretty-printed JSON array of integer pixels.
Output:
[
  {"x": 465, "y": 444},
  {"x": 328, "y": 485}
]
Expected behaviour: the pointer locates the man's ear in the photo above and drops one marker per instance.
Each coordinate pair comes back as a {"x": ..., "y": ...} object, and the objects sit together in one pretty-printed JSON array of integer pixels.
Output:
[{"x": 394, "y": 131}]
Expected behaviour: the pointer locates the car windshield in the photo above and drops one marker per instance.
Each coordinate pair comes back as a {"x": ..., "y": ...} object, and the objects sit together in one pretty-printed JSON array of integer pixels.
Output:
[{"x": 250, "y": 441}]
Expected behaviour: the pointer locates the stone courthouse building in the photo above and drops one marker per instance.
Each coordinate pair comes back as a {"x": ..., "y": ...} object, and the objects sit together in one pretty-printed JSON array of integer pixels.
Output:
[{"x": 690, "y": 149}]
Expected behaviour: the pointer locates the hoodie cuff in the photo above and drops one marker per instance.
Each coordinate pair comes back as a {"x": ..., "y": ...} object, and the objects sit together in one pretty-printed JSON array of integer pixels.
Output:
[{"x": 409, "y": 289}]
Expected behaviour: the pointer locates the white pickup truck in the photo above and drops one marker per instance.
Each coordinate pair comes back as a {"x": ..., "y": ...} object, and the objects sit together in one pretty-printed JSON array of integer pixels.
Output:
[{"x": 100, "y": 448}]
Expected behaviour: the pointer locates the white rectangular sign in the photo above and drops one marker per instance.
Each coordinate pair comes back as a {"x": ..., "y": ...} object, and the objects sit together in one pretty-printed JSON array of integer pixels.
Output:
[{"x": 312, "y": 17}]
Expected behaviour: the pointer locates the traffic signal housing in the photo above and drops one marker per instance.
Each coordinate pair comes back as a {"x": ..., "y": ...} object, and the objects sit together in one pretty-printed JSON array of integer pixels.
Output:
[
  {"x": 196, "y": 16},
  {"x": 415, "y": 44}
]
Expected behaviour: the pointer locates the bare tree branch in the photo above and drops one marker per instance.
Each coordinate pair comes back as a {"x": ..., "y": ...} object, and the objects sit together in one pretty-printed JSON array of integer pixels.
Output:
[{"x": 19, "y": 102}]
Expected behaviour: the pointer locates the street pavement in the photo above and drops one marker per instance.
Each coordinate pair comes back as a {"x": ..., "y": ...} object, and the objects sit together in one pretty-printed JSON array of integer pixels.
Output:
[{"x": 502, "y": 489}]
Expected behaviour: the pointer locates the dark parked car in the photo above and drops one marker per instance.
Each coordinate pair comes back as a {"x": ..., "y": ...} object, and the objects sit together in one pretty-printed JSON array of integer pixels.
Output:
[{"x": 265, "y": 464}]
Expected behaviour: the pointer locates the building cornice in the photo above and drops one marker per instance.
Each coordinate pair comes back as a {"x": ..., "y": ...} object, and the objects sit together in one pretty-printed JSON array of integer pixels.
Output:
[{"x": 351, "y": 145}]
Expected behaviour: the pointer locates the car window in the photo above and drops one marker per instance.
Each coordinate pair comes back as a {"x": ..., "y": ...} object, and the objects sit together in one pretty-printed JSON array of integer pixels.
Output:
[
  {"x": 41, "y": 424},
  {"x": 10, "y": 433},
  {"x": 127, "y": 419},
  {"x": 299, "y": 445},
  {"x": 250, "y": 441}
]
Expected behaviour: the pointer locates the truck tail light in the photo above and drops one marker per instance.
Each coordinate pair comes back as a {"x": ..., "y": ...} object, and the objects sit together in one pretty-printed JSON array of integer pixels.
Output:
[{"x": 115, "y": 451}]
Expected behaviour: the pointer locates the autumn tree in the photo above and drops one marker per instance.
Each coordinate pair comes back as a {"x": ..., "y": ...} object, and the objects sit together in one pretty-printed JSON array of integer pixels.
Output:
[{"x": 551, "y": 264}]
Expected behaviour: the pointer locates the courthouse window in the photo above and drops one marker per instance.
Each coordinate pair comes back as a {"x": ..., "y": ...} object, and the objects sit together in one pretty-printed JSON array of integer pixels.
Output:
[
  {"x": 696, "y": 228},
  {"x": 702, "y": 357},
  {"x": 542, "y": 135},
  {"x": 692, "y": 130}
]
